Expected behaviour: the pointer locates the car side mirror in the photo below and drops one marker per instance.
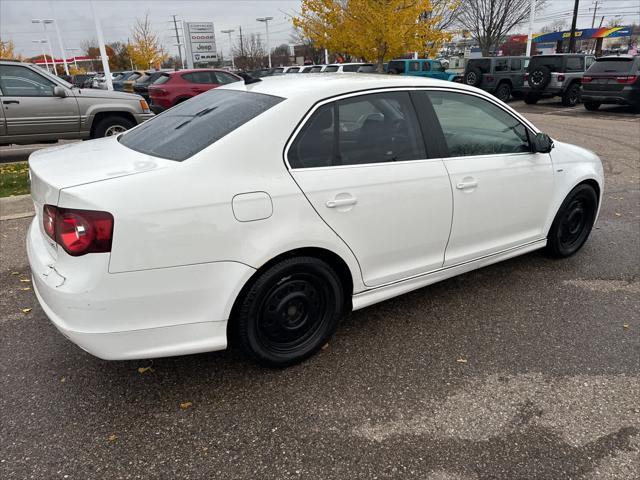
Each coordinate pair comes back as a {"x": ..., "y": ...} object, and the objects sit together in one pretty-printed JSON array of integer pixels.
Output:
[
  {"x": 59, "y": 92},
  {"x": 542, "y": 143}
]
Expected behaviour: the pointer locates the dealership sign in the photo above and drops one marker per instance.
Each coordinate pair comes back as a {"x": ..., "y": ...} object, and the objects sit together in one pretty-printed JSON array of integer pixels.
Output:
[{"x": 200, "y": 43}]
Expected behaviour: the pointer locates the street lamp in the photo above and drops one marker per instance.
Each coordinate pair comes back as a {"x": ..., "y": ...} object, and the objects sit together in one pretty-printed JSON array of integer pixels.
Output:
[
  {"x": 266, "y": 24},
  {"x": 230, "y": 31},
  {"x": 44, "y": 23},
  {"x": 41, "y": 42}
]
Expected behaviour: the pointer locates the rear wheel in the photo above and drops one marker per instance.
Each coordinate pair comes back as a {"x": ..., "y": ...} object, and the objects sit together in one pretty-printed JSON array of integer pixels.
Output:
[
  {"x": 571, "y": 96},
  {"x": 111, "y": 125},
  {"x": 290, "y": 311},
  {"x": 573, "y": 222},
  {"x": 503, "y": 92},
  {"x": 473, "y": 77}
]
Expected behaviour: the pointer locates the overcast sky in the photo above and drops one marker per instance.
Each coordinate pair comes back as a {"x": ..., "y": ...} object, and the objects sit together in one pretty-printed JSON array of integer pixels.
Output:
[{"x": 117, "y": 17}]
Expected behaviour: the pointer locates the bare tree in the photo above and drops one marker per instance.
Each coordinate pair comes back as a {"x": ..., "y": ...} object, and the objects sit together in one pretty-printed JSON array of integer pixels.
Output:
[
  {"x": 445, "y": 13},
  {"x": 490, "y": 20},
  {"x": 252, "y": 55},
  {"x": 555, "y": 26}
]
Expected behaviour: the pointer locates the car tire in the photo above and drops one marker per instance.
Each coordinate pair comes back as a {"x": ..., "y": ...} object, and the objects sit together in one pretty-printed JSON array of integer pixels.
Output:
[
  {"x": 571, "y": 96},
  {"x": 111, "y": 125},
  {"x": 539, "y": 77},
  {"x": 289, "y": 311},
  {"x": 473, "y": 77},
  {"x": 592, "y": 106},
  {"x": 531, "y": 99},
  {"x": 503, "y": 92},
  {"x": 573, "y": 222}
]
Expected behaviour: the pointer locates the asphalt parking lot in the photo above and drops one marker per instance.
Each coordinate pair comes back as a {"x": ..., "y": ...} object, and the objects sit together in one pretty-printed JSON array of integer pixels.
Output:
[{"x": 528, "y": 369}]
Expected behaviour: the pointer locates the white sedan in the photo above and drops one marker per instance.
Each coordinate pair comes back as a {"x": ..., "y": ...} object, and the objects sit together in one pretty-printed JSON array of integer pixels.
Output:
[{"x": 272, "y": 208}]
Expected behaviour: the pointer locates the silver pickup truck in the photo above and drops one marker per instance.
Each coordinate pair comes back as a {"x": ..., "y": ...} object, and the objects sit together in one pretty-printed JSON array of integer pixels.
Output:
[{"x": 40, "y": 107}]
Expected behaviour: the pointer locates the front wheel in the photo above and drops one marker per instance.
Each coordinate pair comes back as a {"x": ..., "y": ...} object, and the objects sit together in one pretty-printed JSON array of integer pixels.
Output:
[
  {"x": 290, "y": 311},
  {"x": 503, "y": 92},
  {"x": 573, "y": 222}
]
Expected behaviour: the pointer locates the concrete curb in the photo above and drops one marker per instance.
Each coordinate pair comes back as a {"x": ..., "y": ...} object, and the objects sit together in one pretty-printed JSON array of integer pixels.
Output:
[{"x": 20, "y": 206}]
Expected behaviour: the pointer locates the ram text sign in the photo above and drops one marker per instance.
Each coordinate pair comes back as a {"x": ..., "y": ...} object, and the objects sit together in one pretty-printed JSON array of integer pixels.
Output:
[{"x": 200, "y": 43}]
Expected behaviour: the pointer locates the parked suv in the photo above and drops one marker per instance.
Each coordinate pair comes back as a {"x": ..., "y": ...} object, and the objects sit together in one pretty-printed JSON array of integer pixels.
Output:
[
  {"x": 614, "y": 80},
  {"x": 40, "y": 107},
  {"x": 556, "y": 75},
  {"x": 500, "y": 76},
  {"x": 420, "y": 67},
  {"x": 175, "y": 87}
]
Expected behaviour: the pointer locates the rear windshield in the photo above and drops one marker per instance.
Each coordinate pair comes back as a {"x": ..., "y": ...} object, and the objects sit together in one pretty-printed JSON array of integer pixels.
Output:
[
  {"x": 612, "y": 65},
  {"x": 187, "y": 128},
  {"x": 331, "y": 68},
  {"x": 163, "y": 78},
  {"x": 553, "y": 63}
]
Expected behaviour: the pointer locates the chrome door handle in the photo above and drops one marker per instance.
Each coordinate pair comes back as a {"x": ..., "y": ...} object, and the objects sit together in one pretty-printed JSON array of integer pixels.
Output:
[
  {"x": 341, "y": 202},
  {"x": 463, "y": 185}
]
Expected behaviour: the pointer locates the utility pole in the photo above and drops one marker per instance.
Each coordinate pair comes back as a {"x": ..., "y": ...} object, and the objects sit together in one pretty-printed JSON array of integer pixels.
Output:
[
  {"x": 179, "y": 45},
  {"x": 595, "y": 10},
  {"x": 103, "y": 50},
  {"x": 572, "y": 38},
  {"x": 241, "y": 44},
  {"x": 532, "y": 13}
]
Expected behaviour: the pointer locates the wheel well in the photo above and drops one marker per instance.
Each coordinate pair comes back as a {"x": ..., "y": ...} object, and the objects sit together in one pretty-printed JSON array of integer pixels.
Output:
[
  {"x": 593, "y": 184},
  {"x": 338, "y": 265},
  {"x": 101, "y": 115}
]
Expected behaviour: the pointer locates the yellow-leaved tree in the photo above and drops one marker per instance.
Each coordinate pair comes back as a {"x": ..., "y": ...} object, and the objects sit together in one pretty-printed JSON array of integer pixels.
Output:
[
  {"x": 375, "y": 30},
  {"x": 145, "y": 50},
  {"x": 7, "y": 49}
]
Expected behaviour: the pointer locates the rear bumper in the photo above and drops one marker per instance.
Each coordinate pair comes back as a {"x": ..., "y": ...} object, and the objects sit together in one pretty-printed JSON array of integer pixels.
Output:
[
  {"x": 623, "y": 97},
  {"x": 143, "y": 314}
]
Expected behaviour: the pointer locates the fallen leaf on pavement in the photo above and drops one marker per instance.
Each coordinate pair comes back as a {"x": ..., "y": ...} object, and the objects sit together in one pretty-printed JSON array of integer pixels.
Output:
[
  {"x": 25, "y": 310},
  {"x": 24, "y": 289},
  {"x": 618, "y": 214},
  {"x": 185, "y": 405},
  {"x": 461, "y": 360},
  {"x": 325, "y": 346},
  {"x": 15, "y": 273},
  {"x": 63, "y": 379},
  {"x": 25, "y": 280},
  {"x": 144, "y": 369},
  {"x": 113, "y": 437},
  {"x": 626, "y": 325}
]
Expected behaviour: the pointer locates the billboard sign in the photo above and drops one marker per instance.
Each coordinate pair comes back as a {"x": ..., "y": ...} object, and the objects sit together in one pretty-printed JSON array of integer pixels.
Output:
[{"x": 200, "y": 43}]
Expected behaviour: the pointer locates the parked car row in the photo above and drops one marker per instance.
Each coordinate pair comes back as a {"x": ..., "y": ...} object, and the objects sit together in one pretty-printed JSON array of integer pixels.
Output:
[{"x": 572, "y": 77}]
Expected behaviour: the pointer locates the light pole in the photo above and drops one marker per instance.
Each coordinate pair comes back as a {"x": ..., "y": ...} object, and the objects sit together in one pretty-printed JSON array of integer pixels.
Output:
[
  {"x": 44, "y": 25},
  {"x": 75, "y": 62},
  {"x": 266, "y": 24},
  {"x": 103, "y": 50},
  {"x": 532, "y": 12},
  {"x": 41, "y": 42},
  {"x": 229, "y": 32}
]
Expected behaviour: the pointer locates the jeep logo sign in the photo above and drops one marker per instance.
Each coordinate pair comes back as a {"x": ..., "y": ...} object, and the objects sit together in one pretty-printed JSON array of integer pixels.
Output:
[{"x": 200, "y": 43}]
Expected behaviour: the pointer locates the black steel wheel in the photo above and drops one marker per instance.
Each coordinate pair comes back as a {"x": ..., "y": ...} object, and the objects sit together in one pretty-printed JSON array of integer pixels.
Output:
[
  {"x": 290, "y": 311},
  {"x": 573, "y": 222}
]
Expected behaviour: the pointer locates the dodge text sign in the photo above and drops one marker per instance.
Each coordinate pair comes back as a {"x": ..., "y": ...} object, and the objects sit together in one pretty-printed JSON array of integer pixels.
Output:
[{"x": 200, "y": 43}]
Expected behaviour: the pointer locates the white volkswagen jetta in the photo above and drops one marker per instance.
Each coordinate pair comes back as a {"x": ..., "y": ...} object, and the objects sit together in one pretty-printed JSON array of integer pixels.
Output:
[{"x": 273, "y": 207}]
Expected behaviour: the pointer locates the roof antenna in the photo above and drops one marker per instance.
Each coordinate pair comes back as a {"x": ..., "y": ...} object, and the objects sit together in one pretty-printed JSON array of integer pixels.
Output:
[{"x": 248, "y": 79}]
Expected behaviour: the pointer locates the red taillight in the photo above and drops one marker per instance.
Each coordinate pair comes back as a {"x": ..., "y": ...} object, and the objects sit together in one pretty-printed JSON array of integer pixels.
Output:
[
  {"x": 489, "y": 78},
  {"x": 79, "y": 231},
  {"x": 526, "y": 77},
  {"x": 587, "y": 79},
  {"x": 561, "y": 78},
  {"x": 157, "y": 91},
  {"x": 628, "y": 80}
]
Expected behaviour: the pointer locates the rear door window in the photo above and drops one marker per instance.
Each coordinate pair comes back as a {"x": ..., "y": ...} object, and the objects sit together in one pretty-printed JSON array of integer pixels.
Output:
[
  {"x": 199, "y": 77},
  {"x": 331, "y": 68},
  {"x": 414, "y": 66},
  {"x": 426, "y": 66},
  {"x": 502, "y": 65},
  {"x": 372, "y": 128},
  {"x": 552, "y": 63},
  {"x": 396, "y": 66},
  {"x": 187, "y": 128},
  {"x": 516, "y": 64}
]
